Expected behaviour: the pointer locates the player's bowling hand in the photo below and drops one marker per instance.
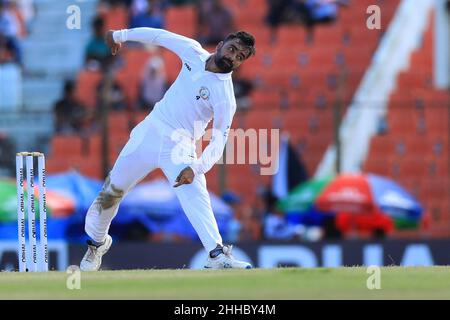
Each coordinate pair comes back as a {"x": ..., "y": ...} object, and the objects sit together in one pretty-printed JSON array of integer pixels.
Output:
[
  {"x": 111, "y": 43},
  {"x": 186, "y": 176}
]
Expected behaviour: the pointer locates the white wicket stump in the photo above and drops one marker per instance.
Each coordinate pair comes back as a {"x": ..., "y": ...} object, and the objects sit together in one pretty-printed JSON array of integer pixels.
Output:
[
  {"x": 22, "y": 252},
  {"x": 42, "y": 214},
  {"x": 31, "y": 214},
  {"x": 33, "y": 258}
]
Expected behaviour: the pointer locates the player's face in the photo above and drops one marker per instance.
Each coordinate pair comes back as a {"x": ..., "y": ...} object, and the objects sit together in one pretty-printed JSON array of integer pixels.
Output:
[{"x": 230, "y": 55}]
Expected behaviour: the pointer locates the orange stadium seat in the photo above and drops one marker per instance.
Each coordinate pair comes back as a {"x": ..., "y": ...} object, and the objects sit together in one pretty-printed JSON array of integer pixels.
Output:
[
  {"x": 291, "y": 35},
  {"x": 116, "y": 18},
  {"x": 377, "y": 165},
  {"x": 361, "y": 36},
  {"x": 434, "y": 190},
  {"x": 265, "y": 99},
  {"x": 297, "y": 119},
  {"x": 139, "y": 116},
  {"x": 285, "y": 60},
  {"x": 382, "y": 146},
  {"x": 135, "y": 59},
  {"x": 403, "y": 123},
  {"x": 412, "y": 166},
  {"x": 182, "y": 20},
  {"x": 414, "y": 80},
  {"x": 422, "y": 62},
  {"x": 86, "y": 87},
  {"x": 55, "y": 165},
  {"x": 328, "y": 35},
  {"x": 249, "y": 16},
  {"x": 129, "y": 83},
  {"x": 172, "y": 64},
  {"x": 320, "y": 58},
  {"x": 66, "y": 145},
  {"x": 417, "y": 146},
  {"x": 118, "y": 121}
]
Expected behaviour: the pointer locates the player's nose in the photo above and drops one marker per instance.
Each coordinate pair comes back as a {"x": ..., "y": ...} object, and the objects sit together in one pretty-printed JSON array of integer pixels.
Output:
[{"x": 229, "y": 59}]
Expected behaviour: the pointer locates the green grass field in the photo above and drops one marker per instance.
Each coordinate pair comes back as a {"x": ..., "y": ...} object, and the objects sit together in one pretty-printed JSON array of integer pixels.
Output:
[{"x": 283, "y": 283}]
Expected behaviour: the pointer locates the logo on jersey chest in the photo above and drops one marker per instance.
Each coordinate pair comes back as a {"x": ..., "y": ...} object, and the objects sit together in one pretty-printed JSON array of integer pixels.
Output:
[
  {"x": 188, "y": 66},
  {"x": 203, "y": 93}
]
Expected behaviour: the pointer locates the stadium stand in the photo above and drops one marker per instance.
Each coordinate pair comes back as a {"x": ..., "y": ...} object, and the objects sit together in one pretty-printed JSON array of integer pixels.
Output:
[{"x": 417, "y": 140}]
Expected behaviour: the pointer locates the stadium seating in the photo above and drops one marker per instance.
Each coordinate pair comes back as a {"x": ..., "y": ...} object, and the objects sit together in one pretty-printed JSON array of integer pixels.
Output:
[{"x": 414, "y": 151}]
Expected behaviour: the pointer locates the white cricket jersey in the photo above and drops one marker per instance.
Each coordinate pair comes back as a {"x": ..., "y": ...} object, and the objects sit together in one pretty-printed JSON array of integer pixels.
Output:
[{"x": 196, "y": 96}]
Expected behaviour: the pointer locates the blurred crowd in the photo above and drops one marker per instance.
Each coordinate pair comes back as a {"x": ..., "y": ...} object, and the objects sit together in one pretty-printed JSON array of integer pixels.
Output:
[
  {"x": 16, "y": 17},
  {"x": 306, "y": 12},
  {"x": 15, "y": 20}
]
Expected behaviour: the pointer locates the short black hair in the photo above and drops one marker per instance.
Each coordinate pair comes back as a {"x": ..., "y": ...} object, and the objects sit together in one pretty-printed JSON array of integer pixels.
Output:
[
  {"x": 98, "y": 23},
  {"x": 69, "y": 86},
  {"x": 246, "y": 38}
]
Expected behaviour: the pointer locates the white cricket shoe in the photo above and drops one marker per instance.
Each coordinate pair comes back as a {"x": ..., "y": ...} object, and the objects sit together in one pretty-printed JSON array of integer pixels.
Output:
[
  {"x": 92, "y": 259},
  {"x": 226, "y": 261}
]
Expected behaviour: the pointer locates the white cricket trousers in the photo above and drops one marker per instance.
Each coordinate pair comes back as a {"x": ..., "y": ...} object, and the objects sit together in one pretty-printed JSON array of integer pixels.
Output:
[{"x": 149, "y": 147}]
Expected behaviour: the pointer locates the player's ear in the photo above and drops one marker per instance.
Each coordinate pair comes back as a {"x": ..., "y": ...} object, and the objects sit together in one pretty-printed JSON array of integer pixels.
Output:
[{"x": 219, "y": 45}]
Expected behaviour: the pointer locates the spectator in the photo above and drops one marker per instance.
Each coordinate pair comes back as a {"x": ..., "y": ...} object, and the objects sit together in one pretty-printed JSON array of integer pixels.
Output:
[
  {"x": 97, "y": 52},
  {"x": 308, "y": 12},
  {"x": 251, "y": 223},
  {"x": 138, "y": 7},
  {"x": 314, "y": 12},
  {"x": 153, "y": 83},
  {"x": 276, "y": 227},
  {"x": 6, "y": 150},
  {"x": 153, "y": 16},
  {"x": 332, "y": 225},
  {"x": 276, "y": 15},
  {"x": 27, "y": 11},
  {"x": 6, "y": 50},
  {"x": 10, "y": 30},
  {"x": 116, "y": 3},
  {"x": 235, "y": 225},
  {"x": 141, "y": 6},
  {"x": 242, "y": 89},
  {"x": 215, "y": 22},
  {"x": 9, "y": 24},
  {"x": 70, "y": 113},
  {"x": 115, "y": 96}
]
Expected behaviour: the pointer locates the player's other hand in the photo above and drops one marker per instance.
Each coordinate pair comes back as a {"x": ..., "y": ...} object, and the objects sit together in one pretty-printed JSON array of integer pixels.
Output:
[
  {"x": 111, "y": 44},
  {"x": 186, "y": 176}
]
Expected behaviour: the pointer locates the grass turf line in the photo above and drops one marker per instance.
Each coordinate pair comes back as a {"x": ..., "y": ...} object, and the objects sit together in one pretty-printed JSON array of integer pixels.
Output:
[{"x": 280, "y": 283}]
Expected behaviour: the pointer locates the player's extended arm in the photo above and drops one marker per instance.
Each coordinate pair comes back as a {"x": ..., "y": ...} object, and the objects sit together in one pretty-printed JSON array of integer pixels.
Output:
[{"x": 160, "y": 37}]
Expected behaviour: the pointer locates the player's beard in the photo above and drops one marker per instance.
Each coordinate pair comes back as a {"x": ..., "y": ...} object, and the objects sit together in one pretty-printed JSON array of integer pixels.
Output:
[{"x": 223, "y": 64}]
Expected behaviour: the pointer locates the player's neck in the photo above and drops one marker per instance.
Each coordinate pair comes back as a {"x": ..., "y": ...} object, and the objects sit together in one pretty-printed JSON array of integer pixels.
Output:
[{"x": 211, "y": 65}]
